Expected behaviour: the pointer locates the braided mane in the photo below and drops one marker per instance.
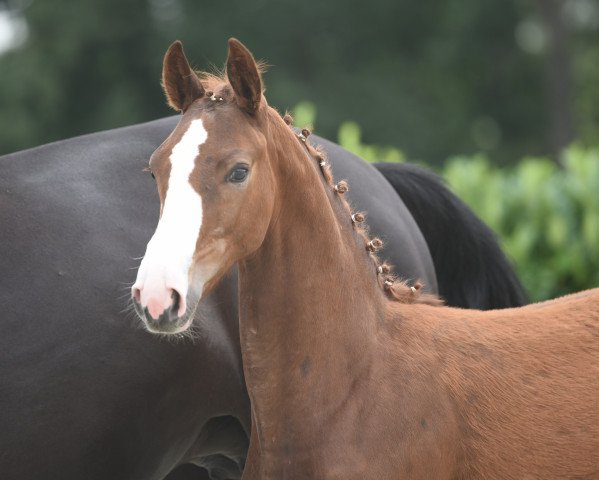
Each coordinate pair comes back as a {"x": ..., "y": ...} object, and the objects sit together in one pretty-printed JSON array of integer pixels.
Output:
[{"x": 395, "y": 288}]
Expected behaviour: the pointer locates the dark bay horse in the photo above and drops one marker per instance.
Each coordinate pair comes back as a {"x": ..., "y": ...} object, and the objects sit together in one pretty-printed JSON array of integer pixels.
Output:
[
  {"x": 85, "y": 396},
  {"x": 350, "y": 374}
]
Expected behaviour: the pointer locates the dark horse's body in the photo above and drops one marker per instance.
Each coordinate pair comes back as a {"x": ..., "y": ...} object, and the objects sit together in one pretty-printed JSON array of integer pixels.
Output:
[{"x": 83, "y": 394}]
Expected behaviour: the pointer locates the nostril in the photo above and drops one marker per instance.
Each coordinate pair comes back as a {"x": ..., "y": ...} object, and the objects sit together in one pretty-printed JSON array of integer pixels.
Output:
[
  {"x": 136, "y": 294},
  {"x": 175, "y": 304}
]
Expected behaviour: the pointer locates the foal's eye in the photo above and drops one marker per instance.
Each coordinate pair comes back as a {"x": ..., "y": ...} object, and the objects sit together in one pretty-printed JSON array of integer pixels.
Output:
[{"x": 238, "y": 174}]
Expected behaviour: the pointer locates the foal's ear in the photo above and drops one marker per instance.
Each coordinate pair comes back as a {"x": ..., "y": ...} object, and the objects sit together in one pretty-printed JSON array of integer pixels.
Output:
[
  {"x": 181, "y": 85},
  {"x": 244, "y": 76}
]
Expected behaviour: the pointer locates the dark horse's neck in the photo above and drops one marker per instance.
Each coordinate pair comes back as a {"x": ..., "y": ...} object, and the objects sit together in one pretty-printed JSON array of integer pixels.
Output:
[{"x": 310, "y": 306}]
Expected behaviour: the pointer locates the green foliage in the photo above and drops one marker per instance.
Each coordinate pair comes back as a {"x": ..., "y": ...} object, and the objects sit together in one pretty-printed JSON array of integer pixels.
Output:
[
  {"x": 546, "y": 216},
  {"x": 85, "y": 66},
  {"x": 349, "y": 136},
  {"x": 304, "y": 115},
  {"x": 430, "y": 77}
]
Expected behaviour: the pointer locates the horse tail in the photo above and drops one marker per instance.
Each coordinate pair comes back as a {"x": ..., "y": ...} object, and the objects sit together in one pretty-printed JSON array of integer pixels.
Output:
[{"x": 472, "y": 270}]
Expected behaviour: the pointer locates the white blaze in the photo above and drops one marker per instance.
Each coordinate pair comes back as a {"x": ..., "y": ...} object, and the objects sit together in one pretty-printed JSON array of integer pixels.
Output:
[{"x": 170, "y": 251}]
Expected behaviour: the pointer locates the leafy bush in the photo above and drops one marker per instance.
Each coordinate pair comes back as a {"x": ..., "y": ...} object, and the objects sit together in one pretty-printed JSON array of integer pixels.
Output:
[{"x": 546, "y": 215}]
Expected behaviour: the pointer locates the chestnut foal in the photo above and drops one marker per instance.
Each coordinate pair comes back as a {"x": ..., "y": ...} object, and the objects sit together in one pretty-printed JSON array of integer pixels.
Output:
[{"x": 350, "y": 374}]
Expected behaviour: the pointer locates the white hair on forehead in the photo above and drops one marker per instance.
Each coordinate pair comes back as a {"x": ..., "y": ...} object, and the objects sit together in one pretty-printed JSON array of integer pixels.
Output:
[
  {"x": 170, "y": 251},
  {"x": 182, "y": 211}
]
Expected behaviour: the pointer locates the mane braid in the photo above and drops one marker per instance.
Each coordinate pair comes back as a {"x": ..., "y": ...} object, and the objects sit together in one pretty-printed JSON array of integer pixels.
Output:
[{"x": 395, "y": 288}]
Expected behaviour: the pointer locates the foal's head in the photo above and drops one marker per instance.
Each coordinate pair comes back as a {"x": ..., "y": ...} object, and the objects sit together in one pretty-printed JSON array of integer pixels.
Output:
[{"x": 215, "y": 185}]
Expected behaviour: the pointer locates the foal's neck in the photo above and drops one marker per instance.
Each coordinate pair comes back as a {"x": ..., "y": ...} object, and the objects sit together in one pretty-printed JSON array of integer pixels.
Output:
[{"x": 310, "y": 306}]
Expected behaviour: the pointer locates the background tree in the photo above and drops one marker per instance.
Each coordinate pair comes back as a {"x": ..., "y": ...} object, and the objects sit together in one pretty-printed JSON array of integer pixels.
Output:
[{"x": 434, "y": 78}]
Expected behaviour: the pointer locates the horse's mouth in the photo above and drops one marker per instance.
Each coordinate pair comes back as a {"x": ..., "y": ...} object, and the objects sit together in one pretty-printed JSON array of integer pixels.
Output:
[
  {"x": 167, "y": 323},
  {"x": 167, "y": 327}
]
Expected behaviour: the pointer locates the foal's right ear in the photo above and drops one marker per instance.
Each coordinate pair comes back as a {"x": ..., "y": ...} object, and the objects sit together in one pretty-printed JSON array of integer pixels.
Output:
[{"x": 181, "y": 85}]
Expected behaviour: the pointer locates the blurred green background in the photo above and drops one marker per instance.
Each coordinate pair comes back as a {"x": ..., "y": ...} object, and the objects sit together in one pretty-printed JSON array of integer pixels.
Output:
[{"x": 500, "y": 96}]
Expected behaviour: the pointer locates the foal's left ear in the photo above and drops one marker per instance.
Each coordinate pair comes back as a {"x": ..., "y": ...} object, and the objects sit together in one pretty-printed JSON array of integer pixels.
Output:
[
  {"x": 244, "y": 76},
  {"x": 181, "y": 85}
]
